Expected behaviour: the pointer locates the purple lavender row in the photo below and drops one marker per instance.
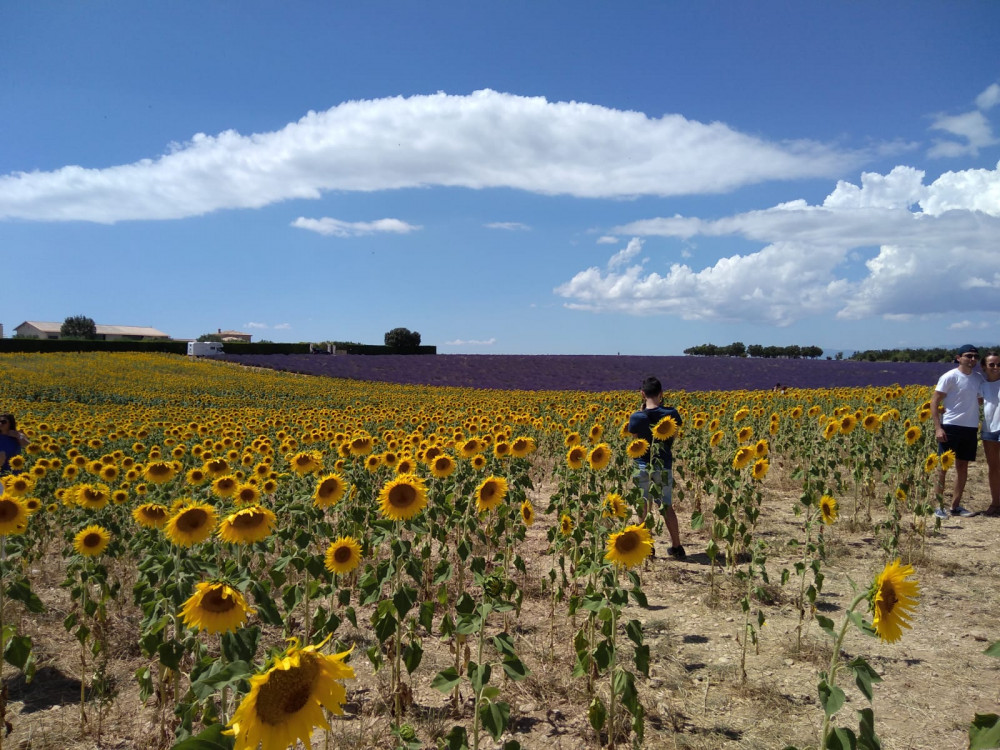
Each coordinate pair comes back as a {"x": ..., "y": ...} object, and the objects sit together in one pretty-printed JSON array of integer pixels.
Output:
[{"x": 598, "y": 372}]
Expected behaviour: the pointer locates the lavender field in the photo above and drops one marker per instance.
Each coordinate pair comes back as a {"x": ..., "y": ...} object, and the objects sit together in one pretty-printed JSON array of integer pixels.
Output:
[{"x": 598, "y": 373}]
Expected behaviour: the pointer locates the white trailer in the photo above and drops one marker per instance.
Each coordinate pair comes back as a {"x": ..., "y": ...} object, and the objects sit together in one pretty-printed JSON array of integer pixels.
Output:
[{"x": 204, "y": 348}]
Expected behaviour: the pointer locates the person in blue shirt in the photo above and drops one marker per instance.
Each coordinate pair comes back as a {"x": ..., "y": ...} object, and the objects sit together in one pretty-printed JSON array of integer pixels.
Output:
[
  {"x": 11, "y": 441},
  {"x": 655, "y": 467}
]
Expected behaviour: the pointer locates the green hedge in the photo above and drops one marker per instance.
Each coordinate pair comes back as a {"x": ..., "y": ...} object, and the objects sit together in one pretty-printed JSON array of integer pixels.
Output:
[
  {"x": 87, "y": 345},
  {"x": 239, "y": 347},
  {"x": 351, "y": 348}
]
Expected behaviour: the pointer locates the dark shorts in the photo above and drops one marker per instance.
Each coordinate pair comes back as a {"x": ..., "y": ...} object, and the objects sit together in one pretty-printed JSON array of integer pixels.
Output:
[{"x": 962, "y": 440}]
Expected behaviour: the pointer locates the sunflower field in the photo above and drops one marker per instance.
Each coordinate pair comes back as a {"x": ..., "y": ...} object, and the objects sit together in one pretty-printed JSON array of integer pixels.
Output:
[{"x": 200, "y": 555}]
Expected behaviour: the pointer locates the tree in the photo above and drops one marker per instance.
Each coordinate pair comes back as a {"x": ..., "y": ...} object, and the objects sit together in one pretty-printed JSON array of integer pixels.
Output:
[
  {"x": 78, "y": 327},
  {"x": 402, "y": 339},
  {"x": 210, "y": 337}
]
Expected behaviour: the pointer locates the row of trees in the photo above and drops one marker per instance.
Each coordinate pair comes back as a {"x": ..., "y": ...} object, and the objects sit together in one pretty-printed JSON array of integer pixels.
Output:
[
  {"x": 738, "y": 349},
  {"x": 938, "y": 354}
]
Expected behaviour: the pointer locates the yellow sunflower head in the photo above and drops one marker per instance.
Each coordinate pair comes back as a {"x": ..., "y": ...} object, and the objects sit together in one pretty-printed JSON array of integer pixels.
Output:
[
  {"x": 214, "y": 467},
  {"x": 246, "y": 494},
  {"x": 872, "y": 422},
  {"x": 225, "y": 486},
  {"x": 490, "y": 493},
  {"x": 741, "y": 414},
  {"x": 527, "y": 513},
  {"x": 893, "y": 598},
  {"x": 716, "y": 438},
  {"x": 151, "y": 515},
  {"x": 637, "y": 448},
  {"x": 665, "y": 429},
  {"x": 575, "y": 456},
  {"x": 215, "y": 608},
  {"x": 572, "y": 438},
  {"x": 522, "y": 446},
  {"x": 501, "y": 449},
  {"x": 847, "y": 423},
  {"x": 831, "y": 429},
  {"x": 286, "y": 702},
  {"x": 744, "y": 434},
  {"x": 478, "y": 461},
  {"x": 196, "y": 477},
  {"x": 742, "y": 457},
  {"x": 17, "y": 485},
  {"x": 614, "y": 506},
  {"x": 247, "y": 525},
  {"x": 828, "y": 509},
  {"x": 629, "y": 547},
  {"x": 442, "y": 466},
  {"x": 947, "y": 460},
  {"x": 930, "y": 463},
  {"x": 566, "y": 525},
  {"x": 329, "y": 490},
  {"x": 760, "y": 468},
  {"x": 761, "y": 449},
  {"x": 600, "y": 456},
  {"x": 159, "y": 472},
  {"x": 91, "y": 541},
  {"x": 191, "y": 524},
  {"x": 403, "y": 497},
  {"x": 93, "y": 496},
  {"x": 913, "y": 434},
  {"x": 343, "y": 555},
  {"x": 13, "y": 516}
]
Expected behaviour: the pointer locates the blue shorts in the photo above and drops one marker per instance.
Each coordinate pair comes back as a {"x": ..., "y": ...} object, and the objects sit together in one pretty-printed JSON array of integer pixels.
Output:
[
  {"x": 990, "y": 437},
  {"x": 662, "y": 478}
]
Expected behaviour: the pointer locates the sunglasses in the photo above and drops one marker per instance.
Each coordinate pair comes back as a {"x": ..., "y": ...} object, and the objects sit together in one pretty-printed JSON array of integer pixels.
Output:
[
  {"x": 992, "y": 365},
  {"x": 970, "y": 356}
]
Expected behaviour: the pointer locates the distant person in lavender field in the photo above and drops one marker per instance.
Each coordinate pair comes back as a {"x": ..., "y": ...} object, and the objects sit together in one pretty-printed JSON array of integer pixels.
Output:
[
  {"x": 989, "y": 392},
  {"x": 957, "y": 427},
  {"x": 11, "y": 441},
  {"x": 655, "y": 467}
]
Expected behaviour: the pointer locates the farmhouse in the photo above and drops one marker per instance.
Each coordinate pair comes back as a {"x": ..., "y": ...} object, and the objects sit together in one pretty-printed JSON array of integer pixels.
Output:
[
  {"x": 46, "y": 330},
  {"x": 233, "y": 336}
]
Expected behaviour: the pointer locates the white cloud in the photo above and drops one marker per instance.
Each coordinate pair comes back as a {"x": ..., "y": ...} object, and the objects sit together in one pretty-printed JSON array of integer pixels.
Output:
[
  {"x": 486, "y": 139},
  {"x": 283, "y": 327},
  {"x": 936, "y": 253},
  {"x": 255, "y": 325},
  {"x": 471, "y": 342},
  {"x": 607, "y": 240},
  {"x": 967, "y": 325},
  {"x": 989, "y": 98},
  {"x": 511, "y": 226},
  {"x": 632, "y": 249},
  {"x": 339, "y": 228},
  {"x": 277, "y": 327}
]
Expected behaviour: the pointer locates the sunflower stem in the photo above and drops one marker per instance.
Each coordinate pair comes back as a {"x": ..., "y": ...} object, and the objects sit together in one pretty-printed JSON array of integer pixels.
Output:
[{"x": 831, "y": 678}]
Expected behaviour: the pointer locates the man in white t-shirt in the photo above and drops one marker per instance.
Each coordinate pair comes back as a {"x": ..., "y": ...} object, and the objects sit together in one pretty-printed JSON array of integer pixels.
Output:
[{"x": 957, "y": 428}]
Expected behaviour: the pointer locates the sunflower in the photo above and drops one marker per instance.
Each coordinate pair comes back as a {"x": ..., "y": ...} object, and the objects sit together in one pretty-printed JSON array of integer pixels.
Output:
[
  {"x": 831, "y": 429},
  {"x": 31, "y": 504},
  {"x": 575, "y": 456},
  {"x": 716, "y": 438},
  {"x": 246, "y": 494},
  {"x": 566, "y": 525},
  {"x": 191, "y": 524},
  {"x": 196, "y": 477},
  {"x": 828, "y": 509},
  {"x": 637, "y": 448},
  {"x": 893, "y": 599},
  {"x": 215, "y": 608},
  {"x": 847, "y": 423},
  {"x": 478, "y": 461},
  {"x": 501, "y": 449},
  {"x": 600, "y": 457},
  {"x": 119, "y": 497},
  {"x": 745, "y": 434},
  {"x": 901, "y": 496},
  {"x": 490, "y": 493},
  {"x": 18, "y": 485},
  {"x": 470, "y": 447},
  {"x": 329, "y": 490},
  {"x": 91, "y": 541},
  {"x": 247, "y": 525},
  {"x": 442, "y": 466},
  {"x": 872, "y": 422},
  {"x": 306, "y": 462},
  {"x": 362, "y": 445},
  {"x": 93, "y": 496},
  {"x": 614, "y": 506},
  {"x": 629, "y": 547},
  {"x": 224, "y": 486},
  {"x": 913, "y": 434},
  {"x": 403, "y": 497},
  {"x": 522, "y": 446},
  {"x": 572, "y": 438},
  {"x": 596, "y": 433},
  {"x": 286, "y": 702},
  {"x": 151, "y": 515},
  {"x": 743, "y": 457},
  {"x": 159, "y": 472},
  {"x": 947, "y": 460},
  {"x": 214, "y": 467},
  {"x": 665, "y": 429},
  {"x": 343, "y": 555},
  {"x": 741, "y": 414},
  {"x": 760, "y": 468},
  {"x": 13, "y": 516},
  {"x": 406, "y": 465},
  {"x": 930, "y": 463},
  {"x": 527, "y": 513}
]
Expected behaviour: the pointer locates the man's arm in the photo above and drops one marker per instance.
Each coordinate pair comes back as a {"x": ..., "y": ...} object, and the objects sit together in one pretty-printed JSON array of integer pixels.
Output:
[{"x": 936, "y": 416}]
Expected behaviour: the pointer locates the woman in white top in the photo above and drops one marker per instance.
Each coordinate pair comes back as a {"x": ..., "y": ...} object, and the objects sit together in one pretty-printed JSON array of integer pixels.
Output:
[{"x": 989, "y": 391}]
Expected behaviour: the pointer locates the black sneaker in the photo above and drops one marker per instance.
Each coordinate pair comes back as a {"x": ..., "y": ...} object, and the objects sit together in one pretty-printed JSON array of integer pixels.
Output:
[{"x": 677, "y": 552}]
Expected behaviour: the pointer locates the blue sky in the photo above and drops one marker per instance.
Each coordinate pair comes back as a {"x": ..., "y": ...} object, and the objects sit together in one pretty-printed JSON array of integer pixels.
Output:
[{"x": 559, "y": 177}]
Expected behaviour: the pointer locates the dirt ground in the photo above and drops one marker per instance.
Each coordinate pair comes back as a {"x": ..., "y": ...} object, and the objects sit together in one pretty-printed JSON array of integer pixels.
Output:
[{"x": 934, "y": 679}]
